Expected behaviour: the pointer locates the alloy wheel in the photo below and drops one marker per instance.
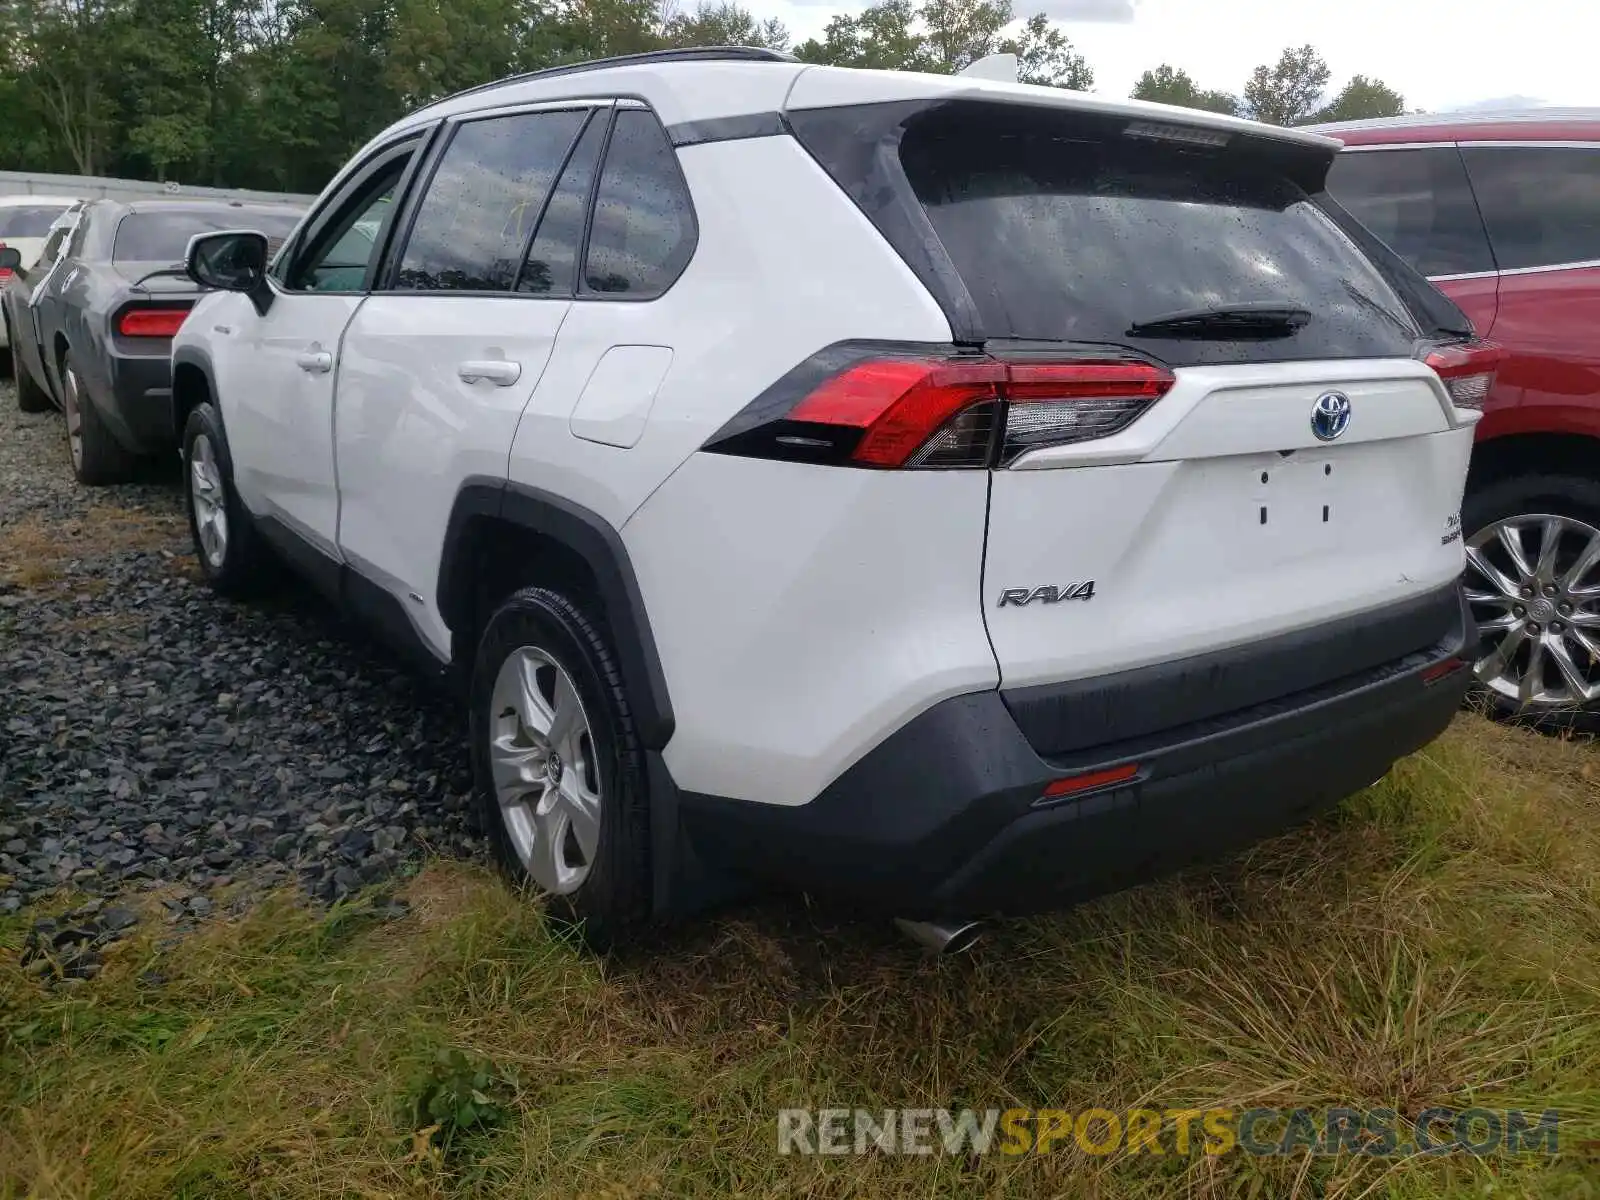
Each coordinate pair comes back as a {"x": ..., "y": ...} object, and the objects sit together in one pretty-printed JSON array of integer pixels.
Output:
[
  {"x": 74, "y": 413},
  {"x": 1534, "y": 585},
  {"x": 546, "y": 777},
  {"x": 208, "y": 495}
]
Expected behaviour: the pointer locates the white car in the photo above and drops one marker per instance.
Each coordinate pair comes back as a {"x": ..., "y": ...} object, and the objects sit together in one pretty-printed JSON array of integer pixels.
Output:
[
  {"x": 25, "y": 223},
  {"x": 954, "y": 495}
]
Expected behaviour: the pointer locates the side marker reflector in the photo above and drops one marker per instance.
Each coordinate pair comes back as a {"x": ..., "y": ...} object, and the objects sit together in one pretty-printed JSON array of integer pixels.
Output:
[{"x": 1073, "y": 784}]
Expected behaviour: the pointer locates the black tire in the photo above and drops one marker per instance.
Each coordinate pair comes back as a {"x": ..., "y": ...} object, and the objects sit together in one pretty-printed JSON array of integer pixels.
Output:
[
  {"x": 1575, "y": 497},
  {"x": 98, "y": 459},
  {"x": 613, "y": 898},
  {"x": 245, "y": 564},
  {"x": 31, "y": 398}
]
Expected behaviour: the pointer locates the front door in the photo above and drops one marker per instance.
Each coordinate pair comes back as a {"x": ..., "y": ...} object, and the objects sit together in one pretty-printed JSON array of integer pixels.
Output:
[
  {"x": 275, "y": 371},
  {"x": 439, "y": 363}
]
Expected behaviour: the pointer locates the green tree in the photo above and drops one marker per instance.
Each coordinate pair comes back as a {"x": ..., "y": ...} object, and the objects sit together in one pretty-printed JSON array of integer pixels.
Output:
[
  {"x": 1361, "y": 99},
  {"x": 959, "y": 32},
  {"x": 722, "y": 24},
  {"x": 1168, "y": 85},
  {"x": 69, "y": 51},
  {"x": 880, "y": 37},
  {"x": 945, "y": 36},
  {"x": 1045, "y": 55},
  {"x": 1287, "y": 93}
]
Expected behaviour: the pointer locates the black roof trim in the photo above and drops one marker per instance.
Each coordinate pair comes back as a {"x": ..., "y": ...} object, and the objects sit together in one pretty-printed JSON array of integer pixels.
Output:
[{"x": 681, "y": 54}]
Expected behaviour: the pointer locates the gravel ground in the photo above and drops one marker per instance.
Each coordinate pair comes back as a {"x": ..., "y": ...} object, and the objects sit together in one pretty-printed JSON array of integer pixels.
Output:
[{"x": 153, "y": 736}]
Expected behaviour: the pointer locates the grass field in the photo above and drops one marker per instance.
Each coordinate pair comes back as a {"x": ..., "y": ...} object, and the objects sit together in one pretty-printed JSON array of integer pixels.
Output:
[{"x": 1437, "y": 941}]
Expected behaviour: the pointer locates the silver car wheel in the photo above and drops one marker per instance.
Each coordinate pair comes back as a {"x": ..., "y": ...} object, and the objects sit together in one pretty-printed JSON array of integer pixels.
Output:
[
  {"x": 208, "y": 494},
  {"x": 1534, "y": 585},
  {"x": 546, "y": 777},
  {"x": 73, "y": 409}
]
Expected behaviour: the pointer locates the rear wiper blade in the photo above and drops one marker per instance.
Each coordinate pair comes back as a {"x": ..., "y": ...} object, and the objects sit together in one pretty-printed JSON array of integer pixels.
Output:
[{"x": 1253, "y": 319}]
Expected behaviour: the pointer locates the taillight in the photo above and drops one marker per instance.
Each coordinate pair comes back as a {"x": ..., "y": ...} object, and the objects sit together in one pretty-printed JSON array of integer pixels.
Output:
[
  {"x": 944, "y": 411},
  {"x": 5, "y": 272},
  {"x": 1467, "y": 369},
  {"x": 151, "y": 322}
]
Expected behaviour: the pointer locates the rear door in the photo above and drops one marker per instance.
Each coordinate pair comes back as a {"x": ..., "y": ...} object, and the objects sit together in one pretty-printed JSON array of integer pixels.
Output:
[
  {"x": 1264, "y": 473},
  {"x": 439, "y": 363},
  {"x": 1541, "y": 204}
]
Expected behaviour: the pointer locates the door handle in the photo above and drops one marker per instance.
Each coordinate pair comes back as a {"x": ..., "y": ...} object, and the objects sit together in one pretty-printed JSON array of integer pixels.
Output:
[
  {"x": 317, "y": 361},
  {"x": 495, "y": 371}
]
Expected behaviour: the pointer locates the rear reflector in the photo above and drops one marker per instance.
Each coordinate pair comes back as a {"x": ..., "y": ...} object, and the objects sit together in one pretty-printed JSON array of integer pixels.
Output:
[
  {"x": 1442, "y": 670},
  {"x": 1074, "y": 784},
  {"x": 1467, "y": 369},
  {"x": 151, "y": 322},
  {"x": 943, "y": 412}
]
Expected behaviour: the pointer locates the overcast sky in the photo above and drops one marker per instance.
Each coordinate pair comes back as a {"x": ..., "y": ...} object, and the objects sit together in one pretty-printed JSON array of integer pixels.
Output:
[{"x": 1438, "y": 54}]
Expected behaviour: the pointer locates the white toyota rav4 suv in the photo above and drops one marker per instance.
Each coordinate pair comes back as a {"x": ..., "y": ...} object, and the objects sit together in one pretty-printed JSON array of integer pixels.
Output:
[{"x": 955, "y": 495}]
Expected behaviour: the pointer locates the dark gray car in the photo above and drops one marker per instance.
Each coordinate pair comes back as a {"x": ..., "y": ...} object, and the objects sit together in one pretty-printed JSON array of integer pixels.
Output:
[{"x": 92, "y": 321}]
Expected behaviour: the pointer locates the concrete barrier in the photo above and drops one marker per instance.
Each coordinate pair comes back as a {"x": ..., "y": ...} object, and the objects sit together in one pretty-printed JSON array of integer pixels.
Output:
[{"x": 91, "y": 187}]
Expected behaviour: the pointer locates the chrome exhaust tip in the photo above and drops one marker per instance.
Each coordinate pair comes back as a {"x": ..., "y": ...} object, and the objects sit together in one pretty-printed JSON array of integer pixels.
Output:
[{"x": 942, "y": 938}]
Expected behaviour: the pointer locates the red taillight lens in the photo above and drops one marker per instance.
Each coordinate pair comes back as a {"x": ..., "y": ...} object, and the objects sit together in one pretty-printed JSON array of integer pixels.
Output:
[
  {"x": 151, "y": 322},
  {"x": 5, "y": 272},
  {"x": 956, "y": 411},
  {"x": 899, "y": 404},
  {"x": 1467, "y": 369}
]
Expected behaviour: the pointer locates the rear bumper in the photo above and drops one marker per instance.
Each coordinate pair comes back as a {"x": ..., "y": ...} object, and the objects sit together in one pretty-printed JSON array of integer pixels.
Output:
[
  {"x": 946, "y": 817},
  {"x": 141, "y": 402}
]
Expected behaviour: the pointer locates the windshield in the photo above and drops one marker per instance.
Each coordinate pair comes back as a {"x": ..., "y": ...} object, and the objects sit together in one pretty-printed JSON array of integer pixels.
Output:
[
  {"x": 1082, "y": 238},
  {"x": 27, "y": 221},
  {"x": 164, "y": 237}
]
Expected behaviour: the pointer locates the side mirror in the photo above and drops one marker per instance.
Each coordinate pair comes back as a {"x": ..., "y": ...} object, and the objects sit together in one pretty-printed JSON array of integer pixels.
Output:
[
  {"x": 10, "y": 258},
  {"x": 231, "y": 261}
]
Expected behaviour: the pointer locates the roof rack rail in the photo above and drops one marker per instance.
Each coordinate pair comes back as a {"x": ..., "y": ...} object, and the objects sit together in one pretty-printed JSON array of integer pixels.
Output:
[{"x": 680, "y": 54}]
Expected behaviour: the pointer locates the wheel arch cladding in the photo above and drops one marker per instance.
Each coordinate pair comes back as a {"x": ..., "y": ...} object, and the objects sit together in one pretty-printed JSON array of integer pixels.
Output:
[
  {"x": 191, "y": 387},
  {"x": 486, "y": 510}
]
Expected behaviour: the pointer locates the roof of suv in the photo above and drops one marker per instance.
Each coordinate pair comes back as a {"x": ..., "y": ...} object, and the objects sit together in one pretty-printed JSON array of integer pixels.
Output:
[
  {"x": 714, "y": 83},
  {"x": 1523, "y": 125}
]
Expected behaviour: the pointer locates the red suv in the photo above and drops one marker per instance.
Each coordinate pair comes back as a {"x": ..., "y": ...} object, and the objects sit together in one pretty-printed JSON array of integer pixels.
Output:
[{"x": 1502, "y": 212}]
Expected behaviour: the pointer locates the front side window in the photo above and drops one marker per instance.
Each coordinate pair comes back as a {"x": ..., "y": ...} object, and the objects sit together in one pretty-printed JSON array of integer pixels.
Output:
[
  {"x": 643, "y": 232},
  {"x": 1419, "y": 202},
  {"x": 484, "y": 200},
  {"x": 341, "y": 254},
  {"x": 1540, "y": 203}
]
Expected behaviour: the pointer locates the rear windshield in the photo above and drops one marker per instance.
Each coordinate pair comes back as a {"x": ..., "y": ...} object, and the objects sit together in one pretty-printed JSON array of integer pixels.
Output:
[
  {"x": 27, "y": 221},
  {"x": 164, "y": 237},
  {"x": 1081, "y": 237}
]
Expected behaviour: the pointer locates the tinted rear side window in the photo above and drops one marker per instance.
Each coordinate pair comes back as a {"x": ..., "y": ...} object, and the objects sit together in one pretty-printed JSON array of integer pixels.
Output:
[
  {"x": 1541, "y": 203},
  {"x": 484, "y": 200},
  {"x": 164, "y": 236},
  {"x": 26, "y": 221},
  {"x": 643, "y": 230},
  {"x": 1078, "y": 238},
  {"x": 1419, "y": 202}
]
